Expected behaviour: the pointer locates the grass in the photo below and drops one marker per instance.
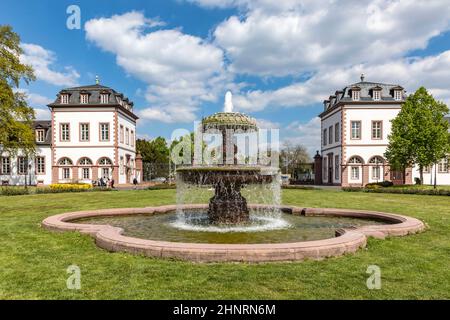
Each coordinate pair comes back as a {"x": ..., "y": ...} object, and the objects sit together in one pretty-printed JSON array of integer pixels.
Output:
[{"x": 33, "y": 261}]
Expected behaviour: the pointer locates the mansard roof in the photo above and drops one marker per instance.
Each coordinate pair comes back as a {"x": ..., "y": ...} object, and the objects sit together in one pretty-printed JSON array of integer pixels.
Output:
[
  {"x": 365, "y": 88},
  {"x": 94, "y": 91}
]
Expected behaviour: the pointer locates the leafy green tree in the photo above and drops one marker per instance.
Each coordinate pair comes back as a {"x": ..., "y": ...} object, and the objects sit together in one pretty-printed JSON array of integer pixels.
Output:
[
  {"x": 155, "y": 155},
  {"x": 15, "y": 115},
  {"x": 419, "y": 133}
]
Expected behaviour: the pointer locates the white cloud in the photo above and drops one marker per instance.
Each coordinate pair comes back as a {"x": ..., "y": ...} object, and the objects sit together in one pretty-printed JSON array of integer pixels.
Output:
[
  {"x": 42, "y": 60},
  {"x": 411, "y": 73},
  {"x": 35, "y": 99},
  {"x": 182, "y": 71},
  {"x": 267, "y": 124},
  {"x": 38, "y": 103},
  {"x": 42, "y": 114},
  {"x": 291, "y": 37}
]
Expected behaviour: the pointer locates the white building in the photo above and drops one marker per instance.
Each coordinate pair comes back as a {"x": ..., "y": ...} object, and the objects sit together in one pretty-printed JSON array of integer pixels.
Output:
[
  {"x": 355, "y": 125},
  {"x": 91, "y": 135}
]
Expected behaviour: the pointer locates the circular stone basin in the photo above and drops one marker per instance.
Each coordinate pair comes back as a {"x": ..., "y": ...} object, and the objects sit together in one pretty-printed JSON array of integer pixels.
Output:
[
  {"x": 350, "y": 236},
  {"x": 260, "y": 229}
]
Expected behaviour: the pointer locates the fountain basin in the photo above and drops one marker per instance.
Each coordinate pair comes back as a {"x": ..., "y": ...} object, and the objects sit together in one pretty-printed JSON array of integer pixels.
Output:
[{"x": 347, "y": 240}]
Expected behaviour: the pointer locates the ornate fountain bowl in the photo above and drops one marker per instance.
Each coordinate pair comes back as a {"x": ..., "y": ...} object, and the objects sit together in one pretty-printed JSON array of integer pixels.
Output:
[
  {"x": 226, "y": 120},
  {"x": 211, "y": 175}
]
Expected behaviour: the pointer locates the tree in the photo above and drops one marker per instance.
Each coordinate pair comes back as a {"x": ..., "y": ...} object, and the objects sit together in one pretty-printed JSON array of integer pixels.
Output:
[
  {"x": 419, "y": 133},
  {"x": 293, "y": 157},
  {"x": 155, "y": 155},
  {"x": 15, "y": 115}
]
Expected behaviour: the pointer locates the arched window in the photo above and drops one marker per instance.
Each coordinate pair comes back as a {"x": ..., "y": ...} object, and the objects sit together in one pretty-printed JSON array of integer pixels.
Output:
[
  {"x": 104, "y": 162},
  {"x": 65, "y": 162},
  {"x": 355, "y": 160},
  {"x": 85, "y": 162},
  {"x": 377, "y": 166},
  {"x": 376, "y": 160}
]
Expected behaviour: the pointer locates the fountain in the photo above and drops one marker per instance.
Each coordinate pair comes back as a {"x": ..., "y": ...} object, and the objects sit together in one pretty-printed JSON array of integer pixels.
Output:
[
  {"x": 228, "y": 206},
  {"x": 230, "y": 210}
]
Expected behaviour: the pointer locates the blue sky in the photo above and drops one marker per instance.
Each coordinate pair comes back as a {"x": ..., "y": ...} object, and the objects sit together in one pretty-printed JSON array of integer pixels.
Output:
[{"x": 176, "y": 58}]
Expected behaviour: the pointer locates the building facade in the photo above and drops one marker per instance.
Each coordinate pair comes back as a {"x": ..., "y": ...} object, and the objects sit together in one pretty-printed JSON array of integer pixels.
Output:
[
  {"x": 91, "y": 135},
  {"x": 355, "y": 125}
]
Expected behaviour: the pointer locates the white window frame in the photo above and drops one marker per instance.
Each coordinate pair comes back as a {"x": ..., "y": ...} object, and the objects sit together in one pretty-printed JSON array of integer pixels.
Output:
[
  {"x": 86, "y": 173},
  {"x": 356, "y": 95},
  {"x": 65, "y": 98},
  {"x": 398, "y": 95},
  {"x": 354, "y": 131},
  {"x": 376, "y": 129},
  {"x": 336, "y": 167},
  {"x": 6, "y": 164},
  {"x": 22, "y": 165},
  {"x": 443, "y": 166},
  {"x": 104, "y": 98},
  {"x": 84, "y": 132},
  {"x": 337, "y": 130},
  {"x": 40, "y": 135},
  {"x": 84, "y": 98},
  {"x": 127, "y": 136},
  {"x": 330, "y": 135},
  {"x": 65, "y": 132},
  {"x": 64, "y": 175},
  {"x": 376, "y": 172},
  {"x": 103, "y": 171},
  {"x": 376, "y": 95},
  {"x": 104, "y": 131},
  {"x": 354, "y": 172},
  {"x": 40, "y": 165}
]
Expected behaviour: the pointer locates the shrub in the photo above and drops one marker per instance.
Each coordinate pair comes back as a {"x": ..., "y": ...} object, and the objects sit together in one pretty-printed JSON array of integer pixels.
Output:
[
  {"x": 383, "y": 184},
  {"x": 162, "y": 186},
  {"x": 402, "y": 190},
  {"x": 352, "y": 189},
  {"x": 417, "y": 181},
  {"x": 69, "y": 187},
  {"x": 14, "y": 191}
]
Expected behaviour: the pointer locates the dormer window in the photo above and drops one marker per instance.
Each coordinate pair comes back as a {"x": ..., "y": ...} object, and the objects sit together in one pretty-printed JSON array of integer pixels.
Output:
[
  {"x": 84, "y": 98},
  {"x": 40, "y": 135},
  {"x": 397, "y": 95},
  {"x": 65, "y": 98},
  {"x": 356, "y": 95},
  {"x": 376, "y": 95},
  {"x": 104, "y": 98}
]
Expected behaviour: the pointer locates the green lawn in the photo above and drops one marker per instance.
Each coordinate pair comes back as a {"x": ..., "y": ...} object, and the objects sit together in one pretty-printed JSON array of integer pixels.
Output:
[{"x": 33, "y": 261}]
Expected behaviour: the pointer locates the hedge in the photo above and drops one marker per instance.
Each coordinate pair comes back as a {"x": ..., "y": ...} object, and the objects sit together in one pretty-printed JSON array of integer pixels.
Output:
[
  {"x": 14, "y": 191},
  {"x": 406, "y": 190}
]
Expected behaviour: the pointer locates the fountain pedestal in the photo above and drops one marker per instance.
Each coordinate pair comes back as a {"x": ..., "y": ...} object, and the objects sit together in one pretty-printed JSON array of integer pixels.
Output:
[{"x": 228, "y": 206}]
